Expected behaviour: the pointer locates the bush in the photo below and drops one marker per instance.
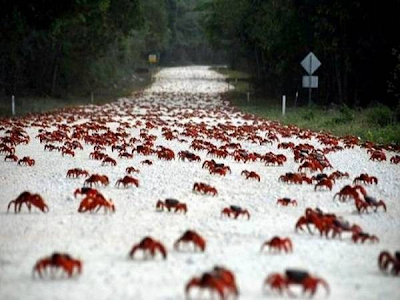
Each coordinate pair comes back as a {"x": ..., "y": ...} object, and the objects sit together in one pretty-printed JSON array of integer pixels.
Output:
[
  {"x": 346, "y": 114},
  {"x": 309, "y": 115},
  {"x": 380, "y": 115}
]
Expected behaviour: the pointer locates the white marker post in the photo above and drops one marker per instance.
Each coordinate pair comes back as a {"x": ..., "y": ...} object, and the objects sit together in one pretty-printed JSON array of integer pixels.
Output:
[
  {"x": 248, "y": 96},
  {"x": 283, "y": 105},
  {"x": 91, "y": 97},
  {"x": 13, "y": 105}
]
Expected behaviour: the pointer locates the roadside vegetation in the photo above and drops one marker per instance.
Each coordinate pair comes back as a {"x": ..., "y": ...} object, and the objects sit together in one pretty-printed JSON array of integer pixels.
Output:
[
  {"x": 377, "y": 123},
  {"x": 40, "y": 104}
]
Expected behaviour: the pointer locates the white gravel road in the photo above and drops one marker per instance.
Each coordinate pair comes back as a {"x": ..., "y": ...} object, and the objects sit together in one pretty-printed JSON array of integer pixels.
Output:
[{"x": 103, "y": 241}]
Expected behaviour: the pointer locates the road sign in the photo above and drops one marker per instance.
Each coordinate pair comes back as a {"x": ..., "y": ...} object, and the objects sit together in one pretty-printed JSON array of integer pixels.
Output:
[
  {"x": 310, "y": 63},
  {"x": 152, "y": 58},
  {"x": 310, "y": 82}
]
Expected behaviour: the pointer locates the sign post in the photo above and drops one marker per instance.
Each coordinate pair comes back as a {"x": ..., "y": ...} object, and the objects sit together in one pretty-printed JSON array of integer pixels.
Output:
[
  {"x": 152, "y": 58},
  {"x": 13, "y": 105},
  {"x": 283, "y": 105},
  {"x": 152, "y": 62},
  {"x": 310, "y": 63}
]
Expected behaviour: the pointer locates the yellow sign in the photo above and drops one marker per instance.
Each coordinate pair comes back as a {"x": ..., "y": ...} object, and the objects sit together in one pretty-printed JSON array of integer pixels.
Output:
[{"x": 152, "y": 58}]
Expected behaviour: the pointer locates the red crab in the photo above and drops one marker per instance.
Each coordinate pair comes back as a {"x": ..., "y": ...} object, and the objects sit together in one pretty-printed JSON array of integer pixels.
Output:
[
  {"x": 204, "y": 188},
  {"x": 251, "y": 174},
  {"x": 281, "y": 282},
  {"x": 93, "y": 203},
  {"x": 86, "y": 191},
  {"x": 235, "y": 211},
  {"x": 150, "y": 247},
  {"x": 395, "y": 159},
  {"x": 286, "y": 202},
  {"x": 389, "y": 263},
  {"x": 109, "y": 160},
  {"x": 62, "y": 261},
  {"x": 193, "y": 237},
  {"x": 219, "y": 280},
  {"x": 130, "y": 170},
  {"x": 27, "y": 161},
  {"x": 363, "y": 205},
  {"x": 11, "y": 157},
  {"x": 325, "y": 182},
  {"x": 170, "y": 204},
  {"x": 126, "y": 181},
  {"x": 97, "y": 179},
  {"x": 350, "y": 192},
  {"x": 279, "y": 244},
  {"x": 363, "y": 237},
  {"x": 28, "y": 199},
  {"x": 365, "y": 178},
  {"x": 378, "y": 155},
  {"x": 146, "y": 162},
  {"x": 76, "y": 173}
]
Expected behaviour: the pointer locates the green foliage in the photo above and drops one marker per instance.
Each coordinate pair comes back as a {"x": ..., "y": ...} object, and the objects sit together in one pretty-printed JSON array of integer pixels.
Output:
[
  {"x": 340, "y": 121},
  {"x": 274, "y": 36},
  {"x": 54, "y": 48},
  {"x": 380, "y": 115},
  {"x": 308, "y": 115}
]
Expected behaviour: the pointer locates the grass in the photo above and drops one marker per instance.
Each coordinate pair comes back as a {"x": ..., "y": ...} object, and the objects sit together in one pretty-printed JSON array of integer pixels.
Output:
[
  {"x": 376, "y": 124},
  {"x": 25, "y": 105}
]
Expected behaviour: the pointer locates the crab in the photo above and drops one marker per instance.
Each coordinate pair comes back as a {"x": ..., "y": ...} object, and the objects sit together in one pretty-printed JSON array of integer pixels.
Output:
[
  {"x": 235, "y": 211},
  {"x": 286, "y": 202},
  {"x": 108, "y": 160},
  {"x": 364, "y": 237},
  {"x": 222, "y": 171},
  {"x": 95, "y": 203},
  {"x": 204, "y": 188},
  {"x": 28, "y": 199},
  {"x": 325, "y": 182},
  {"x": 189, "y": 156},
  {"x": 191, "y": 236},
  {"x": 389, "y": 263},
  {"x": 97, "y": 155},
  {"x": 219, "y": 280},
  {"x": 68, "y": 152},
  {"x": 126, "y": 181},
  {"x": 339, "y": 175},
  {"x": 281, "y": 282},
  {"x": 169, "y": 204},
  {"x": 165, "y": 153},
  {"x": 150, "y": 247},
  {"x": 279, "y": 244},
  {"x": 365, "y": 178},
  {"x": 146, "y": 162},
  {"x": 86, "y": 191},
  {"x": 11, "y": 157},
  {"x": 125, "y": 155},
  {"x": 349, "y": 191},
  {"x": 130, "y": 170},
  {"x": 395, "y": 159},
  {"x": 378, "y": 155},
  {"x": 62, "y": 261},
  {"x": 251, "y": 174},
  {"x": 363, "y": 205},
  {"x": 27, "y": 161},
  {"x": 97, "y": 179},
  {"x": 76, "y": 173}
]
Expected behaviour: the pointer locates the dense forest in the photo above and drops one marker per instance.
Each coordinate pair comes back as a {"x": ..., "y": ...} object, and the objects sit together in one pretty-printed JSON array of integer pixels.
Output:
[
  {"x": 356, "y": 41},
  {"x": 53, "y": 47},
  {"x": 57, "y": 47}
]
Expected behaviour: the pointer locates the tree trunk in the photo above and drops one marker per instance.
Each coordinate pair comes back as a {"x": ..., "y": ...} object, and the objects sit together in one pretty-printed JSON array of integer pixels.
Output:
[
  {"x": 257, "y": 62},
  {"x": 56, "y": 65},
  {"x": 338, "y": 79}
]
